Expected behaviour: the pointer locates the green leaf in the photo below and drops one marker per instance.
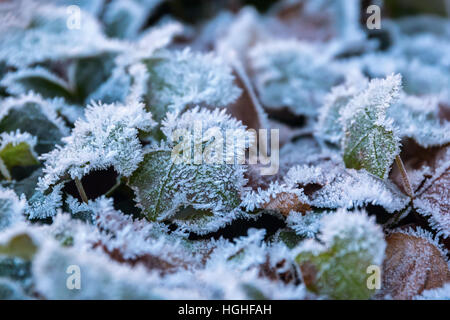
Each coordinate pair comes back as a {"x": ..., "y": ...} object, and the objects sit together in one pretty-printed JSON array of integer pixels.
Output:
[
  {"x": 180, "y": 79},
  {"x": 35, "y": 115},
  {"x": 20, "y": 245},
  {"x": 336, "y": 264},
  {"x": 26, "y": 185},
  {"x": 199, "y": 190},
  {"x": 369, "y": 139},
  {"x": 329, "y": 126},
  {"x": 38, "y": 80},
  {"x": 192, "y": 195},
  {"x": 16, "y": 150},
  {"x": 88, "y": 74}
]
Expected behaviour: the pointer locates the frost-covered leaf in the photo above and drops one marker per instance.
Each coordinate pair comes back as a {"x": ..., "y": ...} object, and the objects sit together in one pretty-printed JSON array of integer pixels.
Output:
[
  {"x": 432, "y": 200},
  {"x": 305, "y": 225},
  {"x": 329, "y": 126},
  {"x": 38, "y": 80},
  {"x": 292, "y": 74},
  {"x": 18, "y": 242},
  {"x": 16, "y": 150},
  {"x": 183, "y": 78},
  {"x": 123, "y": 19},
  {"x": 36, "y": 116},
  {"x": 42, "y": 206},
  {"x": 202, "y": 191},
  {"x": 274, "y": 261},
  {"x": 418, "y": 118},
  {"x": 89, "y": 73},
  {"x": 277, "y": 197},
  {"x": 46, "y": 36},
  {"x": 369, "y": 139},
  {"x": 108, "y": 137},
  {"x": 442, "y": 293},
  {"x": 9, "y": 290},
  {"x": 247, "y": 107},
  {"x": 336, "y": 266},
  {"x": 101, "y": 278},
  {"x": 329, "y": 185},
  {"x": 139, "y": 242},
  {"x": 11, "y": 208},
  {"x": 26, "y": 185},
  {"x": 414, "y": 262}
]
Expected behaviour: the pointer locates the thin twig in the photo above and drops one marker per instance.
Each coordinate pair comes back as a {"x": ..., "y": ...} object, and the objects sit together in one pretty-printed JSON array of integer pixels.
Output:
[
  {"x": 407, "y": 186},
  {"x": 81, "y": 190}
]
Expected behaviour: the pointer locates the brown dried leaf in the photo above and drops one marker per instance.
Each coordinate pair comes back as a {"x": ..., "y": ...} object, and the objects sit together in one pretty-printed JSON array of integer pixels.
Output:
[
  {"x": 434, "y": 202},
  {"x": 413, "y": 264},
  {"x": 290, "y": 20},
  {"x": 286, "y": 202},
  {"x": 420, "y": 164},
  {"x": 429, "y": 174}
]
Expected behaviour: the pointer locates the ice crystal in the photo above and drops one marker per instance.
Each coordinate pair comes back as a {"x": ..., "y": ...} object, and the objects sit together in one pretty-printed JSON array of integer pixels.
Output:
[
  {"x": 107, "y": 138},
  {"x": 182, "y": 78},
  {"x": 305, "y": 225},
  {"x": 418, "y": 118},
  {"x": 42, "y": 205},
  {"x": 12, "y": 208},
  {"x": 330, "y": 185}
]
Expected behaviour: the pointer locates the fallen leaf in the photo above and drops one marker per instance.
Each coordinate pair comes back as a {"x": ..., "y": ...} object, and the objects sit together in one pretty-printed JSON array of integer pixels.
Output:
[{"x": 413, "y": 264}]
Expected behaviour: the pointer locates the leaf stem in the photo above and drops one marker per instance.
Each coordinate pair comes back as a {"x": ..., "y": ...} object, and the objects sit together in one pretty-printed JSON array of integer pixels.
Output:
[
  {"x": 81, "y": 190},
  {"x": 405, "y": 179}
]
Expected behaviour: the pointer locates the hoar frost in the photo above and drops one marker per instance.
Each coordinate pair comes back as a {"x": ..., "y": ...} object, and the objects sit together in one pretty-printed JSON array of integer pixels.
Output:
[{"x": 109, "y": 137}]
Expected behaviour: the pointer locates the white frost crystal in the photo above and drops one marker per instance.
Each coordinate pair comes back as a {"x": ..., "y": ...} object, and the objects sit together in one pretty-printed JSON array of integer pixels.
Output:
[
  {"x": 108, "y": 137},
  {"x": 11, "y": 208},
  {"x": 181, "y": 78}
]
